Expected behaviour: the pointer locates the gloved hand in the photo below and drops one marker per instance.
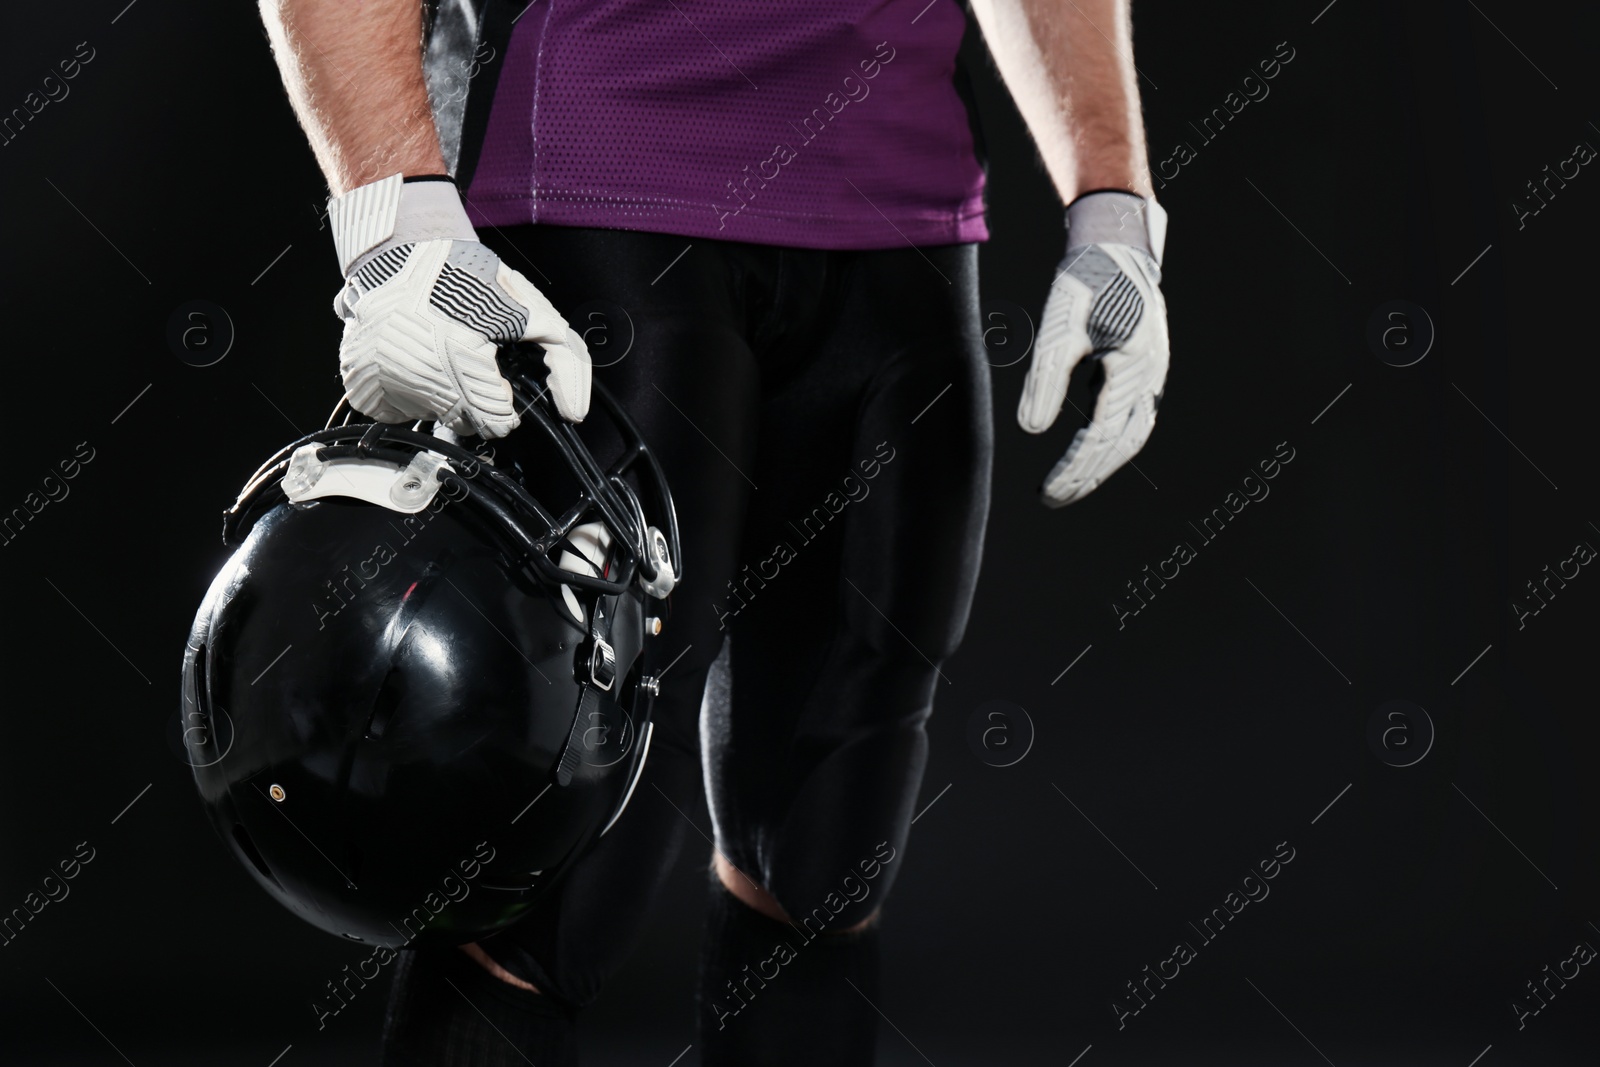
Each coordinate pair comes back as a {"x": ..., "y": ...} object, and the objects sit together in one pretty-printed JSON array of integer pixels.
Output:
[
  {"x": 426, "y": 306},
  {"x": 1105, "y": 304}
]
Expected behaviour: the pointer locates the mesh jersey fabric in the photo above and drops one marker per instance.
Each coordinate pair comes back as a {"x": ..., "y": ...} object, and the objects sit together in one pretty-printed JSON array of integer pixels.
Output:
[{"x": 831, "y": 124}]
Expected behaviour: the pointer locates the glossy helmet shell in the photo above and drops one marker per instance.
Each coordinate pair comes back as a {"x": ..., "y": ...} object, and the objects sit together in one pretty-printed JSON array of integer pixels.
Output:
[{"x": 406, "y": 727}]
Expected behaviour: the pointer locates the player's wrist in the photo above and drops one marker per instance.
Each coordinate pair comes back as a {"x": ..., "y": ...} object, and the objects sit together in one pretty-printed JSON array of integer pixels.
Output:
[
  {"x": 1117, "y": 216},
  {"x": 430, "y": 209},
  {"x": 399, "y": 209}
]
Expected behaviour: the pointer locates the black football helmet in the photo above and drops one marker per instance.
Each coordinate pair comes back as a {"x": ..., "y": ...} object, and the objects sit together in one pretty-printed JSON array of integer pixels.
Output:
[{"x": 415, "y": 693}]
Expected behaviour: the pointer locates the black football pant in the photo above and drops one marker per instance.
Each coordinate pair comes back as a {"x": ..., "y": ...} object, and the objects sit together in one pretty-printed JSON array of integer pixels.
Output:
[{"x": 823, "y": 418}]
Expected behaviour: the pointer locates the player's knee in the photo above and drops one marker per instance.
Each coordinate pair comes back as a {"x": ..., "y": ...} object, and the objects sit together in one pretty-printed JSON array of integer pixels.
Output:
[
  {"x": 756, "y": 897},
  {"x": 488, "y": 964},
  {"x": 746, "y": 891},
  {"x": 870, "y": 922}
]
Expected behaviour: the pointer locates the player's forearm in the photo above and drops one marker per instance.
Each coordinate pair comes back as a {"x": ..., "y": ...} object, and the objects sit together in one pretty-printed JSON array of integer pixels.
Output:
[
  {"x": 1069, "y": 67},
  {"x": 353, "y": 72}
]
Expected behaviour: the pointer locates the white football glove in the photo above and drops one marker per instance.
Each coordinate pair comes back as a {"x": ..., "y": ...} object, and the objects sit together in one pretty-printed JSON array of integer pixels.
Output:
[
  {"x": 426, "y": 307},
  {"x": 1105, "y": 304}
]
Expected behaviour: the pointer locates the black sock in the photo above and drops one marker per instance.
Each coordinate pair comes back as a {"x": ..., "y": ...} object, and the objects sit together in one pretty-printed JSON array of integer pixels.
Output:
[
  {"x": 446, "y": 1010},
  {"x": 792, "y": 1001}
]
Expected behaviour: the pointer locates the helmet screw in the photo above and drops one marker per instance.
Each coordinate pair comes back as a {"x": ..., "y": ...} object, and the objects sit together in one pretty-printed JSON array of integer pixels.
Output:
[
  {"x": 277, "y": 793},
  {"x": 413, "y": 485}
]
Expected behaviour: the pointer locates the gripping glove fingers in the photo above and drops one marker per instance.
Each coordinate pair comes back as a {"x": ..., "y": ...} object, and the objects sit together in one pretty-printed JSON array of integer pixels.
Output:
[
  {"x": 1105, "y": 304},
  {"x": 564, "y": 351},
  {"x": 426, "y": 307}
]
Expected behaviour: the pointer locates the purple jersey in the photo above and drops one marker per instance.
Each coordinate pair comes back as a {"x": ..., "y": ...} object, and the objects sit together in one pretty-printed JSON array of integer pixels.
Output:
[{"x": 820, "y": 124}]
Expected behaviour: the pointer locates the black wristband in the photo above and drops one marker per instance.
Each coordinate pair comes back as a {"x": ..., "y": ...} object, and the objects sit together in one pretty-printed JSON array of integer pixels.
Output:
[{"x": 427, "y": 178}]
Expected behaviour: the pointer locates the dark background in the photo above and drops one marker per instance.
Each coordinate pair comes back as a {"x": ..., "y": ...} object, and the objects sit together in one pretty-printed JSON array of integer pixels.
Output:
[{"x": 1223, "y": 719}]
